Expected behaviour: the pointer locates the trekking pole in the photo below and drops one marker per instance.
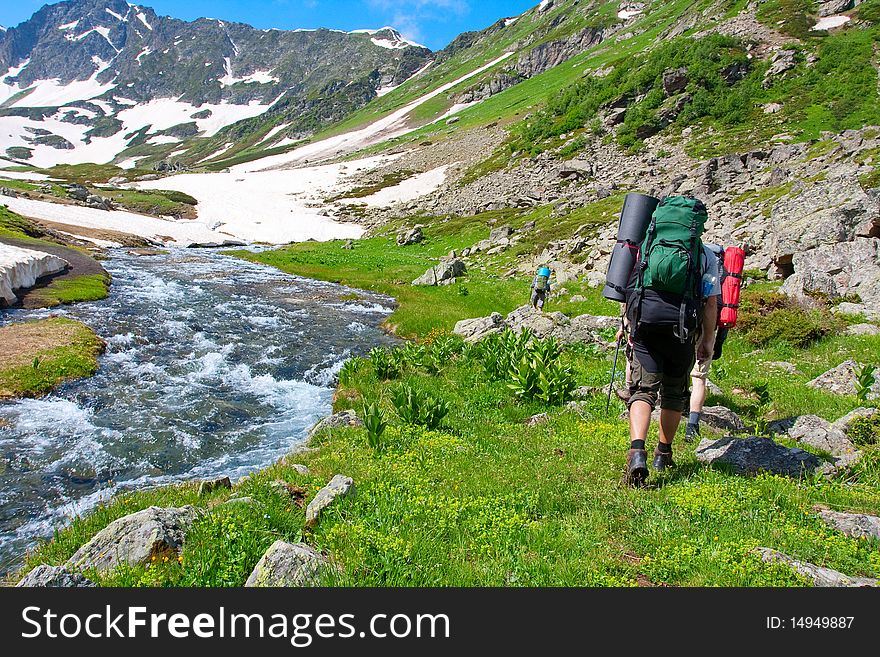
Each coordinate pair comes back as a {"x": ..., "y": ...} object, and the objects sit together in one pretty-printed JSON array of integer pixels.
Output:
[{"x": 613, "y": 371}]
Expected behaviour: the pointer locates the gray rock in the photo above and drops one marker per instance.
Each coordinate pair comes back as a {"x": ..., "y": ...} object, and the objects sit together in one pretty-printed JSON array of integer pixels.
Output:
[
  {"x": 856, "y": 525},
  {"x": 474, "y": 330},
  {"x": 535, "y": 420},
  {"x": 863, "y": 329},
  {"x": 833, "y": 7},
  {"x": 840, "y": 380},
  {"x": 135, "y": 538},
  {"x": 410, "y": 237},
  {"x": 340, "y": 420},
  {"x": 722, "y": 418},
  {"x": 783, "y": 365},
  {"x": 288, "y": 564},
  {"x": 814, "y": 431},
  {"x": 77, "y": 192},
  {"x": 500, "y": 233},
  {"x": 748, "y": 456},
  {"x": 445, "y": 270},
  {"x": 54, "y": 576},
  {"x": 6, "y": 191},
  {"x": 674, "y": 81},
  {"x": 348, "y": 245},
  {"x": 823, "y": 577},
  {"x": 301, "y": 469},
  {"x": 339, "y": 486},
  {"x": 210, "y": 485},
  {"x": 780, "y": 62}
]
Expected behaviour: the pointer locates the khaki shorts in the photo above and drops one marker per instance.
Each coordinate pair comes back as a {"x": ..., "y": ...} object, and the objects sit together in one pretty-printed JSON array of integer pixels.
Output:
[{"x": 701, "y": 369}]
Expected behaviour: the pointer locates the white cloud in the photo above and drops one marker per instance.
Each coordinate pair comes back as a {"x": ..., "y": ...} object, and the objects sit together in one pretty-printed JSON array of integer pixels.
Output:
[{"x": 409, "y": 15}]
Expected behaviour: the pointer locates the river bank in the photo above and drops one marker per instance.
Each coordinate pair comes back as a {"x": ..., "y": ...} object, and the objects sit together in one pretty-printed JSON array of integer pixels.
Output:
[{"x": 213, "y": 365}]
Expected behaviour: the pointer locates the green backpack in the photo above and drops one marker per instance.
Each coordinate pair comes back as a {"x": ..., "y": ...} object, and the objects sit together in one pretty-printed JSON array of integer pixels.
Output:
[
  {"x": 666, "y": 289},
  {"x": 673, "y": 247}
]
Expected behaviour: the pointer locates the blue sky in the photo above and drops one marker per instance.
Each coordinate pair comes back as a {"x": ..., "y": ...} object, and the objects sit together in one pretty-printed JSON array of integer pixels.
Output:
[{"x": 433, "y": 23}]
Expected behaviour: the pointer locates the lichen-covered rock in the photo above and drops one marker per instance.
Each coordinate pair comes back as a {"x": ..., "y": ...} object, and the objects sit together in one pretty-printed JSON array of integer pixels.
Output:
[
  {"x": 445, "y": 270},
  {"x": 722, "y": 418},
  {"x": 54, "y": 576},
  {"x": 863, "y": 329},
  {"x": 474, "y": 330},
  {"x": 135, "y": 538},
  {"x": 410, "y": 237},
  {"x": 814, "y": 431},
  {"x": 823, "y": 577},
  {"x": 857, "y": 525},
  {"x": 339, "y": 486},
  {"x": 749, "y": 456},
  {"x": 288, "y": 564},
  {"x": 347, "y": 418},
  {"x": 841, "y": 380}
]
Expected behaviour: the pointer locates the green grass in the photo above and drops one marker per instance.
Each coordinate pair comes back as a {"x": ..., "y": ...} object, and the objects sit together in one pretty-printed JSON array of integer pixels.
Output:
[
  {"x": 65, "y": 349},
  {"x": 92, "y": 173},
  {"x": 90, "y": 287}
]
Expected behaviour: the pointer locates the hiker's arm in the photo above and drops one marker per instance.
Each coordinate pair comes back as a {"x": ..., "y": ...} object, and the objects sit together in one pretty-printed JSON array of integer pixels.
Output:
[{"x": 710, "y": 317}]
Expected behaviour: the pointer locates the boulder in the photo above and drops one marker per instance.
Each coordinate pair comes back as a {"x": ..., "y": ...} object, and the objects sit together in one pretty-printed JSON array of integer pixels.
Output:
[
  {"x": 445, "y": 270},
  {"x": 863, "y": 329},
  {"x": 674, "y": 81},
  {"x": 833, "y": 7},
  {"x": 814, "y": 431},
  {"x": 301, "y": 469},
  {"x": 54, "y": 576},
  {"x": 823, "y": 577},
  {"x": 77, "y": 192},
  {"x": 288, "y": 564},
  {"x": 781, "y": 61},
  {"x": 410, "y": 237},
  {"x": 210, "y": 485},
  {"x": 340, "y": 420},
  {"x": 500, "y": 233},
  {"x": 722, "y": 418},
  {"x": 136, "y": 538},
  {"x": 348, "y": 245},
  {"x": 749, "y": 456},
  {"x": 339, "y": 486},
  {"x": 856, "y": 525},
  {"x": 535, "y": 420},
  {"x": 840, "y": 380},
  {"x": 474, "y": 330}
]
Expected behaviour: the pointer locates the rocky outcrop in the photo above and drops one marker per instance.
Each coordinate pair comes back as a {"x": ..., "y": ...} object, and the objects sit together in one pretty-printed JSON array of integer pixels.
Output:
[
  {"x": 824, "y": 577},
  {"x": 339, "y": 486},
  {"x": 841, "y": 380},
  {"x": 844, "y": 423},
  {"x": 136, "y": 538},
  {"x": 581, "y": 328},
  {"x": 288, "y": 564},
  {"x": 447, "y": 270},
  {"x": 410, "y": 237},
  {"x": 21, "y": 268},
  {"x": 54, "y": 576},
  {"x": 819, "y": 433},
  {"x": 347, "y": 418},
  {"x": 749, "y": 456},
  {"x": 856, "y": 525}
]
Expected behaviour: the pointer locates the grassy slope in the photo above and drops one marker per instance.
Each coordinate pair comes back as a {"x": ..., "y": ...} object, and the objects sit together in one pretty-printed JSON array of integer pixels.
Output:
[{"x": 46, "y": 353}]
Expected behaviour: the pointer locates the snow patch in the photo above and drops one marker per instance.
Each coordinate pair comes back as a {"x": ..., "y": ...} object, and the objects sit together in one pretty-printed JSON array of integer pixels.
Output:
[
  {"x": 510, "y": 21},
  {"x": 20, "y": 268},
  {"x": 142, "y": 53},
  {"x": 115, "y": 15},
  {"x": 143, "y": 19},
  {"x": 69, "y": 26},
  {"x": 407, "y": 190},
  {"x": 162, "y": 139},
  {"x": 626, "y": 14},
  {"x": 260, "y": 77},
  {"x": 830, "y": 22}
]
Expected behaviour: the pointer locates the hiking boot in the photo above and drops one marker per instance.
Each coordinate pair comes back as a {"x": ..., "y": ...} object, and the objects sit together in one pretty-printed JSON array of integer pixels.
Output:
[
  {"x": 662, "y": 460},
  {"x": 692, "y": 433},
  {"x": 636, "y": 467}
]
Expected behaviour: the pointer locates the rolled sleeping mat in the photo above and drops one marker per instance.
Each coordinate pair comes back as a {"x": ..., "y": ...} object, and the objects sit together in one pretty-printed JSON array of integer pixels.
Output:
[
  {"x": 634, "y": 219},
  {"x": 544, "y": 271}
]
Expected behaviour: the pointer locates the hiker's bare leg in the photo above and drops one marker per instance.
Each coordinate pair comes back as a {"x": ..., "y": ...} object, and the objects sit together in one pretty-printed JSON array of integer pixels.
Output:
[
  {"x": 698, "y": 394},
  {"x": 639, "y": 420},
  {"x": 669, "y": 421}
]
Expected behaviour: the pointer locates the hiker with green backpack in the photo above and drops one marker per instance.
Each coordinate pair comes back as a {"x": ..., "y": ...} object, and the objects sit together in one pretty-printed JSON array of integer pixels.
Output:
[
  {"x": 667, "y": 308},
  {"x": 540, "y": 288}
]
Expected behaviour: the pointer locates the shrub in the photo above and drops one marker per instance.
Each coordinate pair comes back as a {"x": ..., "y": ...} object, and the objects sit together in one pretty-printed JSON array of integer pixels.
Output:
[
  {"x": 349, "y": 368},
  {"x": 375, "y": 425},
  {"x": 768, "y": 317},
  {"x": 419, "y": 408},
  {"x": 865, "y": 430},
  {"x": 865, "y": 379}
]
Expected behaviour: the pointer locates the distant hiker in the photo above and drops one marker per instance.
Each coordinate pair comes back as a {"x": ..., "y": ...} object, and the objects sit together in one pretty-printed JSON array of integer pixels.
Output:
[
  {"x": 540, "y": 287},
  {"x": 665, "y": 307}
]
